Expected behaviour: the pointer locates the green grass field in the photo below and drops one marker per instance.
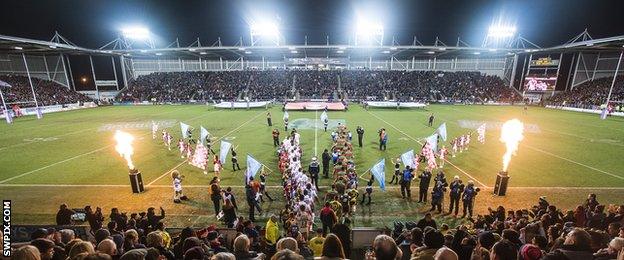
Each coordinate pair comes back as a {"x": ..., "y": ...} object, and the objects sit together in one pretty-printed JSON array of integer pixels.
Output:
[{"x": 69, "y": 157}]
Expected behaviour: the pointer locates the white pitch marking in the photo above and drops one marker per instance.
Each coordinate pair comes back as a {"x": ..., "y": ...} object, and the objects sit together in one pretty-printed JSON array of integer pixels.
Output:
[
  {"x": 78, "y": 156},
  {"x": 180, "y": 164},
  {"x": 464, "y": 172}
]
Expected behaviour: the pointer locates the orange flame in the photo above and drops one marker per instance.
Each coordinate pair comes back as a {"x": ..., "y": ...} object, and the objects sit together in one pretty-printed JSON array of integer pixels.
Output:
[
  {"x": 124, "y": 146},
  {"x": 511, "y": 135}
]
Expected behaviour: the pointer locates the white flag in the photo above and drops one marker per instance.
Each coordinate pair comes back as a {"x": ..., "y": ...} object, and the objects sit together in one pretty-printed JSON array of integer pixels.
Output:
[
  {"x": 203, "y": 134},
  {"x": 324, "y": 116},
  {"x": 184, "y": 128}
]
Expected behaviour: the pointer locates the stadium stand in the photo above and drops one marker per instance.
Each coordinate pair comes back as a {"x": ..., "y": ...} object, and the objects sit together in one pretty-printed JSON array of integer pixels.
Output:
[
  {"x": 334, "y": 84},
  {"x": 590, "y": 94},
  {"x": 47, "y": 92},
  {"x": 591, "y": 231}
]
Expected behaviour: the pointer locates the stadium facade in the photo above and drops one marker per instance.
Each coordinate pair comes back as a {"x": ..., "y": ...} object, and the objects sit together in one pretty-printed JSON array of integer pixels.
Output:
[{"x": 568, "y": 65}]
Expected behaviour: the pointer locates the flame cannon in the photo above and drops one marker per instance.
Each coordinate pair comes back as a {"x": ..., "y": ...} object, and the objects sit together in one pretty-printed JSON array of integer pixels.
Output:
[
  {"x": 124, "y": 148},
  {"x": 511, "y": 135}
]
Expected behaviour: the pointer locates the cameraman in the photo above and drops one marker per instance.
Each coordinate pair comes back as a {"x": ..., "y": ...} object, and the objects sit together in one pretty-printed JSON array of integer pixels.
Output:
[{"x": 470, "y": 192}]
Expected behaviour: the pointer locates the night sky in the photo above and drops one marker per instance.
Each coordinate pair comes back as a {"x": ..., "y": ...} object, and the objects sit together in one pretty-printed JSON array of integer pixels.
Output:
[{"x": 94, "y": 23}]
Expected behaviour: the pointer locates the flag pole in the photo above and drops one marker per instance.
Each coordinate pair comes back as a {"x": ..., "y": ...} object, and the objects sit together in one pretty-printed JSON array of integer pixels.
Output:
[{"x": 617, "y": 68}]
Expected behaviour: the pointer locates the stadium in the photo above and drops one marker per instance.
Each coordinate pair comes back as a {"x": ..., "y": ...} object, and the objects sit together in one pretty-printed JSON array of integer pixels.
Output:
[{"x": 126, "y": 143}]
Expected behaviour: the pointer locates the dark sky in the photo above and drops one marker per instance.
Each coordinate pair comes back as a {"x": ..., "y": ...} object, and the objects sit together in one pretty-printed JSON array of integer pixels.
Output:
[{"x": 92, "y": 23}]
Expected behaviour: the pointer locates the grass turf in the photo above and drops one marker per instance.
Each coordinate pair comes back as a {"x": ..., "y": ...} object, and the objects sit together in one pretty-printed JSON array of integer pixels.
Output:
[{"x": 69, "y": 157}]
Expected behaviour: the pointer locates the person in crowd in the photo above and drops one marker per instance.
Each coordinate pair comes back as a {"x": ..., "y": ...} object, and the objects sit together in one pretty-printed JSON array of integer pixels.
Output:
[
  {"x": 63, "y": 216},
  {"x": 316, "y": 243},
  {"x": 384, "y": 247},
  {"x": 343, "y": 231},
  {"x": 333, "y": 249},
  {"x": 426, "y": 221},
  {"x": 328, "y": 217},
  {"x": 432, "y": 240},
  {"x": 26, "y": 252},
  {"x": 241, "y": 250},
  {"x": 271, "y": 233}
]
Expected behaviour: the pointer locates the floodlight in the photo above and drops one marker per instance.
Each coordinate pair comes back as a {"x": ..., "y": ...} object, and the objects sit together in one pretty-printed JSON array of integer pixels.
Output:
[
  {"x": 138, "y": 33},
  {"x": 247, "y": 52},
  {"x": 192, "y": 49},
  {"x": 143, "y": 51},
  {"x": 241, "y": 49},
  {"x": 431, "y": 52},
  {"x": 158, "y": 54},
  {"x": 476, "y": 53},
  {"x": 292, "y": 48},
  {"x": 203, "y": 53},
  {"x": 393, "y": 48},
  {"x": 492, "y": 50},
  {"x": 339, "y": 51},
  {"x": 264, "y": 31},
  {"x": 501, "y": 31},
  {"x": 52, "y": 47},
  {"x": 294, "y": 52},
  {"x": 342, "y": 48},
  {"x": 18, "y": 48},
  {"x": 367, "y": 33},
  {"x": 442, "y": 49},
  {"x": 386, "y": 51}
]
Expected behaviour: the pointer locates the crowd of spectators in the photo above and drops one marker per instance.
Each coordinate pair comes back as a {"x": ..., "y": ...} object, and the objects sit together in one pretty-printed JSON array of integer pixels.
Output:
[
  {"x": 590, "y": 231},
  {"x": 591, "y": 94},
  {"x": 47, "y": 92},
  {"x": 327, "y": 84}
]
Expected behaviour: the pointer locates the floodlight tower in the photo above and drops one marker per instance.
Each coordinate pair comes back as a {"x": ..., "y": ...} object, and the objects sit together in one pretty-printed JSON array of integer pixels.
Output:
[
  {"x": 264, "y": 32},
  {"x": 137, "y": 34},
  {"x": 499, "y": 36},
  {"x": 369, "y": 33}
]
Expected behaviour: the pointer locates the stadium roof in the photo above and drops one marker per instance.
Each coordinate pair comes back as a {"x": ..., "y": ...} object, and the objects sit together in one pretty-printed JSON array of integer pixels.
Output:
[{"x": 10, "y": 44}]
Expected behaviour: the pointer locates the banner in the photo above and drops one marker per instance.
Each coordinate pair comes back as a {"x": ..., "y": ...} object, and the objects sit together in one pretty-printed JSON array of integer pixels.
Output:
[
  {"x": 408, "y": 158},
  {"x": 324, "y": 116},
  {"x": 379, "y": 173},
  {"x": 442, "y": 131},
  {"x": 223, "y": 152},
  {"x": 203, "y": 134},
  {"x": 433, "y": 142},
  {"x": 253, "y": 166},
  {"x": 285, "y": 115},
  {"x": 184, "y": 128}
]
